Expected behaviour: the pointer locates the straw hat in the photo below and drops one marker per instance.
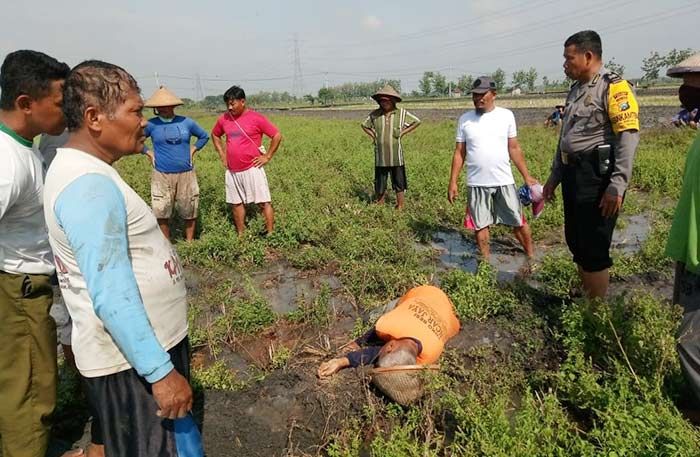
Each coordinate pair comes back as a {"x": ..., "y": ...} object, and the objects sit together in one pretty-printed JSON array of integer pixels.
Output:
[
  {"x": 162, "y": 97},
  {"x": 387, "y": 90},
  {"x": 401, "y": 383},
  {"x": 689, "y": 65}
]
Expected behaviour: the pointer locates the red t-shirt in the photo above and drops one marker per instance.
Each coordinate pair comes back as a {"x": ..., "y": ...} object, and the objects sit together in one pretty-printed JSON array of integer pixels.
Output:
[{"x": 240, "y": 150}]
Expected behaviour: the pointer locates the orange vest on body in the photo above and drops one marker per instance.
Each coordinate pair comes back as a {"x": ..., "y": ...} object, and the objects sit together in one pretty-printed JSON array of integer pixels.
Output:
[{"x": 424, "y": 313}]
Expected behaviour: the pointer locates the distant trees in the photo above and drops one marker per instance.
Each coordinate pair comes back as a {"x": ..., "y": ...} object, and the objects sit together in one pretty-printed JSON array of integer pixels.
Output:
[
  {"x": 499, "y": 77},
  {"x": 652, "y": 65},
  {"x": 354, "y": 91},
  {"x": 525, "y": 79},
  {"x": 616, "y": 67},
  {"x": 464, "y": 83}
]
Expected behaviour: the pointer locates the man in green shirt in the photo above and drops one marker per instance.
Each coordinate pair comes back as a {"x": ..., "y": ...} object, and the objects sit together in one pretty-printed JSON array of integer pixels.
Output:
[
  {"x": 683, "y": 243},
  {"x": 386, "y": 126}
]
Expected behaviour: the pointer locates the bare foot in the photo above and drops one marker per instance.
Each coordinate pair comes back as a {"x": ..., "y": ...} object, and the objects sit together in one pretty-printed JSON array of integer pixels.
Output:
[{"x": 73, "y": 453}]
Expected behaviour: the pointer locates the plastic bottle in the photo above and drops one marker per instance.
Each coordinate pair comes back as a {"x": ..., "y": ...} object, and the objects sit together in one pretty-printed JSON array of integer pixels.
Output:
[{"x": 188, "y": 440}]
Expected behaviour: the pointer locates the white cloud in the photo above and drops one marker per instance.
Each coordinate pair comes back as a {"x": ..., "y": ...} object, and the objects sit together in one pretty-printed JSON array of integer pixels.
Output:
[{"x": 371, "y": 22}]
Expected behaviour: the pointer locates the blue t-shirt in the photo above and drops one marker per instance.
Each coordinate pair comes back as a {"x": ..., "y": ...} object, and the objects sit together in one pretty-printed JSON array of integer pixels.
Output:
[{"x": 171, "y": 142}]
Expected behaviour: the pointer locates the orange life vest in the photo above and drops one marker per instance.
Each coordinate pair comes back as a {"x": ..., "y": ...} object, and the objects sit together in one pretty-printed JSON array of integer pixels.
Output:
[{"x": 424, "y": 313}]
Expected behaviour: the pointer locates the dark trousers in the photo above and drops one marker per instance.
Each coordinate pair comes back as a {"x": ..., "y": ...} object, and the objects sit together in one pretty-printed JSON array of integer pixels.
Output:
[{"x": 126, "y": 409}]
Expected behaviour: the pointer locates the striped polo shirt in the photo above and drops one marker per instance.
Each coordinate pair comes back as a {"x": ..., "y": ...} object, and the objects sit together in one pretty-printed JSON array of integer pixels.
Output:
[{"x": 388, "y": 151}]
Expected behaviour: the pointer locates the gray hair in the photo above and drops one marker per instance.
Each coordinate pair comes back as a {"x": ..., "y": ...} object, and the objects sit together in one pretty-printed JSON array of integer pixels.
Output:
[{"x": 401, "y": 356}]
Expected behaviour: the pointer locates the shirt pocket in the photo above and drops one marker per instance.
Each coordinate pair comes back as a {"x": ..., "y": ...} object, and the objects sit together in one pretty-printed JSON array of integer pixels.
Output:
[
  {"x": 588, "y": 119},
  {"x": 173, "y": 134}
]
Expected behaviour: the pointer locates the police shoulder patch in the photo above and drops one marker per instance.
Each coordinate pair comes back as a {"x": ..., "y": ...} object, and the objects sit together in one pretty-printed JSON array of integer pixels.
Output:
[{"x": 623, "y": 109}]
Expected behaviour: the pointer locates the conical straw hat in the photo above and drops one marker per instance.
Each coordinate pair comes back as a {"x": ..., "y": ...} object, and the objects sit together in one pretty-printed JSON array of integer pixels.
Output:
[
  {"x": 402, "y": 383},
  {"x": 689, "y": 65},
  {"x": 387, "y": 90},
  {"x": 163, "y": 97}
]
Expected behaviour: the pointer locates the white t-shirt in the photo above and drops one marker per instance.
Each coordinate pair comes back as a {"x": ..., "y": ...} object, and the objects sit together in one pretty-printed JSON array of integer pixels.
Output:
[
  {"x": 486, "y": 136},
  {"x": 24, "y": 242},
  {"x": 155, "y": 264}
]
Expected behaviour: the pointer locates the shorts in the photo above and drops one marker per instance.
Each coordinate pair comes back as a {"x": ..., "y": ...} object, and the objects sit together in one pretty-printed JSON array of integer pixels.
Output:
[
  {"x": 398, "y": 179},
  {"x": 126, "y": 410},
  {"x": 588, "y": 234},
  {"x": 493, "y": 205},
  {"x": 175, "y": 189},
  {"x": 247, "y": 186}
]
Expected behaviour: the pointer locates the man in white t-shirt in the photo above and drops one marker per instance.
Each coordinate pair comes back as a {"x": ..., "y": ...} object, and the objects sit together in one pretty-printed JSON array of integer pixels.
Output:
[
  {"x": 31, "y": 85},
  {"x": 487, "y": 139}
]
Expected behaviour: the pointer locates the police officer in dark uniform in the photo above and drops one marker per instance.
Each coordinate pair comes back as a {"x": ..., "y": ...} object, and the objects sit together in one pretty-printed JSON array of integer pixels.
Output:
[{"x": 593, "y": 161}]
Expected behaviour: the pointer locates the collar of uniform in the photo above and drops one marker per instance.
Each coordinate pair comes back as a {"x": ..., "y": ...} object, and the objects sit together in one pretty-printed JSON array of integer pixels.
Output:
[
  {"x": 15, "y": 136},
  {"x": 598, "y": 76}
]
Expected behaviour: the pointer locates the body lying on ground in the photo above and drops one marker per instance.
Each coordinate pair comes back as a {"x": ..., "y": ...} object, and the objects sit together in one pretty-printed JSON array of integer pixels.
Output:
[{"x": 412, "y": 333}]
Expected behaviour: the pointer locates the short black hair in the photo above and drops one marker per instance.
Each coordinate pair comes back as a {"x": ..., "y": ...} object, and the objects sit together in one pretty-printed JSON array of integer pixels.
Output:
[
  {"x": 586, "y": 40},
  {"x": 95, "y": 83},
  {"x": 29, "y": 73},
  {"x": 234, "y": 93}
]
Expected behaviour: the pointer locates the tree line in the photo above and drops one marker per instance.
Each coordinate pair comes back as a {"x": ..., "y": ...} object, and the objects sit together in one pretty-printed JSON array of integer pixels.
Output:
[{"x": 436, "y": 84}]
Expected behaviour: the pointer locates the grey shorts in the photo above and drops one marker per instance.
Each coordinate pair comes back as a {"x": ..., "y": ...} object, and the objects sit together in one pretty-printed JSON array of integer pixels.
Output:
[{"x": 493, "y": 205}]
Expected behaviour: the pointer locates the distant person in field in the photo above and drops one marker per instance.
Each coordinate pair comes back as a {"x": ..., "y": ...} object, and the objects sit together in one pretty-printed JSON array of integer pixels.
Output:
[
  {"x": 31, "y": 95},
  {"x": 120, "y": 277},
  {"x": 413, "y": 331},
  {"x": 174, "y": 180},
  {"x": 386, "y": 126},
  {"x": 554, "y": 119},
  {"x": 487, "y": 141},
  {"x": 683, "y": 244},
  {"x": 245, "y": 156},
  {"x": 686, "y": 117}
]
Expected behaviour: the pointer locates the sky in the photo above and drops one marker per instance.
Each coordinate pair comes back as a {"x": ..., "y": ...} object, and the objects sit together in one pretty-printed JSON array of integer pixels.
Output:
[{"x": 202, "y": 47}]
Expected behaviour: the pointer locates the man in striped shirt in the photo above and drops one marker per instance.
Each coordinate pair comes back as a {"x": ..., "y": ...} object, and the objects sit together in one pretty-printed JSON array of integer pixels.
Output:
[{"x": 386, "y": 126}]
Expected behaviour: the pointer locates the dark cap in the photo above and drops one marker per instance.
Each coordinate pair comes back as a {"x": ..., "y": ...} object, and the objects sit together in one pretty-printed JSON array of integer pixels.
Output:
[{"x": 483, "y": 84}]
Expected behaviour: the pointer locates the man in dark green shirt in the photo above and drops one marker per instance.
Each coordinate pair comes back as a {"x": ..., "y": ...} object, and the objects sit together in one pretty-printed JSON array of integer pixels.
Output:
[{"x": 386, "y": 126}]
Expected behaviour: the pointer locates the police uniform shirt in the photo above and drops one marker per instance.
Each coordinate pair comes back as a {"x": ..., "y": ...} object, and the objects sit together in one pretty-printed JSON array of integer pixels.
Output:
[{"x": 602, "y": 111}]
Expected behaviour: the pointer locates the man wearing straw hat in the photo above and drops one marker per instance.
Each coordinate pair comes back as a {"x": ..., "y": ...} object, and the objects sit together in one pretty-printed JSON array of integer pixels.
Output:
[
  {"x": 682, "y": 245},
  {"x": 386, "y": 126},
  {"x": 173, "y": 181},
  {"x": 413, "y": 332}
]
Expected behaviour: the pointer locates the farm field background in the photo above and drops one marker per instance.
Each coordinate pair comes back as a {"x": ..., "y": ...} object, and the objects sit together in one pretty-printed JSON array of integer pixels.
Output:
[{"x": 533, "y": 372}]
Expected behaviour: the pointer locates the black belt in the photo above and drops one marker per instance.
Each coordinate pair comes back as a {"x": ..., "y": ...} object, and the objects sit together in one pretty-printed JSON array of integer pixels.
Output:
[{"x": 574, "y": 158}]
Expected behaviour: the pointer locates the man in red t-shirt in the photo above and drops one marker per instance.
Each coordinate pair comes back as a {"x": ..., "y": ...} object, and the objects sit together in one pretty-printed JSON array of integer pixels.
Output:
[{"x": 245, "y": 156}]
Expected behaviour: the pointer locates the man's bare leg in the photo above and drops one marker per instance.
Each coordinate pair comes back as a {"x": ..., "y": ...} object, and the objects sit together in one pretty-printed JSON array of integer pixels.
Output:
[
  {"x": 595, "y": 283},
  {"x": 164, "y": 225},
  {"x": 239, "y": 218},
  {"x": 524, "y": 236},
  {"x": 399, "y": 200},
  {"x": 269, "y": 215},
  {"x": 190, "y": 226},
  {"x": 482, "y": 241}
]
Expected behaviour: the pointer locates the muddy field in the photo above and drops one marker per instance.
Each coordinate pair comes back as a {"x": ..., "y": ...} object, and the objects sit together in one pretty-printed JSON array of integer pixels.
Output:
[{"x": 650, "y": 116}]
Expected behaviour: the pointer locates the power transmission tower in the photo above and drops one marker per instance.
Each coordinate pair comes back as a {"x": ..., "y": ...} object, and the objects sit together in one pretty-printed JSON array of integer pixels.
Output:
[
  {"x": 198, "y": 89},
  {"x": 298, "y": 81}
]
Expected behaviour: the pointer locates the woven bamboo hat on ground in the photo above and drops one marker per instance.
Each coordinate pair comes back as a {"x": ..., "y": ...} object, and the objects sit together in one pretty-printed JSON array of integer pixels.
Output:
[
  {"x": 387, "y": 90},
  {"x": 163, "y": 97},
  {"x": 401, "y": 383}
]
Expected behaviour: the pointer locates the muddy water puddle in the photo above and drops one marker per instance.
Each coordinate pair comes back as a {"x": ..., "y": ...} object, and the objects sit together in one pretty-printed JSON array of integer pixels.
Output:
[
  {"x": 454, "y": 250},
  {"x": 630, "y": 238}
]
